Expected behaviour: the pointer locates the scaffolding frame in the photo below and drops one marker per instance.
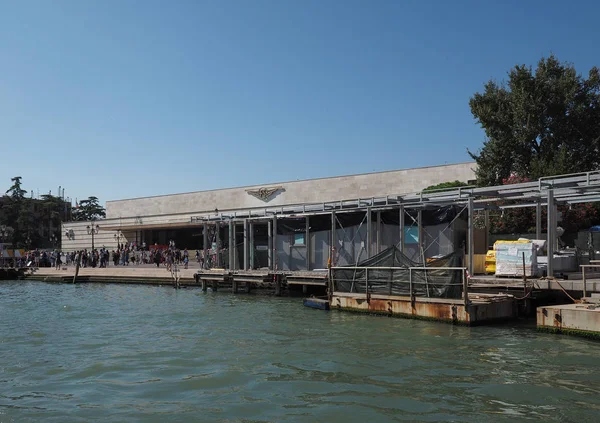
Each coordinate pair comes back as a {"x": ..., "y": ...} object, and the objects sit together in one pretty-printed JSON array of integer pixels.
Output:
[{"x": 545, "y": 192}]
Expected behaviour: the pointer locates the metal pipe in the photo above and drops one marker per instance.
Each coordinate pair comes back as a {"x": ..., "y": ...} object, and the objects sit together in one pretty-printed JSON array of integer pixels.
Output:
[
  {"x": 421, "y": 244},
  {"x": 236, "y": 264},
  {"x": 584, "y": 281},
  {"x": 231, "y": 246},
  {"x": 246, "y": 245},
  {"x": 270, "y": 245},
  {"x": 538, "y": 220},
  {"x": 251, "y": 230},
  {"x": 333, "y": 240},
  {"x": 218, "y": 241},
  {"x": 307, "y": 241},
  {"x": 401, "y": 227},
  {"x": 274, "y": 236},
  {"x": 465, "y": 282},
  {"x": 550, "y": 233},
  {"x": 369, "y": 232},
  {"x": 367, "y": 283},
  {"x": 471, "y": 235},
  {"x": 378, "y": 233},
  {"x": 205, "y": 245}
]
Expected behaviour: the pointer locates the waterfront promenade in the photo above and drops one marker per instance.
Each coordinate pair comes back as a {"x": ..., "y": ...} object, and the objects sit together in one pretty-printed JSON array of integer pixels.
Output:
[{"x": 138, "y": 273}]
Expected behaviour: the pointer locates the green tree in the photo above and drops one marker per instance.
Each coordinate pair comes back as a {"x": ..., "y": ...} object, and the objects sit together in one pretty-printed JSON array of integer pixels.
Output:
[
  {"x": 15, "y": 191},
  {"x": 16, "y": 212},
  {"x": 538, "y": 123},
  {"x": 89, "y": 209}
]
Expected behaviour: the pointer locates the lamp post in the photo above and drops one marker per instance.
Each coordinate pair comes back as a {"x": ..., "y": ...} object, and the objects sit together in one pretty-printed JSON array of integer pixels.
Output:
[
  {"x": 118, "y": 236},
  {"x": 93, "y": 230},
  {"x": 53, "y": 239}
]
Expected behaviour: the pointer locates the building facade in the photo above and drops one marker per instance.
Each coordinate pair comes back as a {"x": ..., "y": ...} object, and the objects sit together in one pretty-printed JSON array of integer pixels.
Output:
[{"x": 218, "y": 219}]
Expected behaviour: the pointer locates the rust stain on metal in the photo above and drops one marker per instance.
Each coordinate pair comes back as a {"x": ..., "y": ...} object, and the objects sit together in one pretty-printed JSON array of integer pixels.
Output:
[
  {"x": 557, "y": 320},
  {"x": 378, "y": 305},
  {"x": 445, "y": 311},
  {"x": 437, "y": 311}
]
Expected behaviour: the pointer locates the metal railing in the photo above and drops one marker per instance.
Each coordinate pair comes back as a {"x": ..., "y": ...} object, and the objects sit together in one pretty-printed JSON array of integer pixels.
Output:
[
  {"x": 594, "y": 263},
  {"x": 412, "y": 283}
]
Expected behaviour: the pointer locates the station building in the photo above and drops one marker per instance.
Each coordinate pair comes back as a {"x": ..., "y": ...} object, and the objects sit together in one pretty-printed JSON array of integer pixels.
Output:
[{"x": 287, "y": 225}]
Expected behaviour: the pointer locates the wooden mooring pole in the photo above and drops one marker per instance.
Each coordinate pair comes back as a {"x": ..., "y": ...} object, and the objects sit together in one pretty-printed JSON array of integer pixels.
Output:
[
  {"x": 277, "y": 285},
  {"x": 76, "y": 268}
]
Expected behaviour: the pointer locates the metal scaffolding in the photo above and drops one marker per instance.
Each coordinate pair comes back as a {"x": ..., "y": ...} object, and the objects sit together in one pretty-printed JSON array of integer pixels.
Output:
[{"x": 546, "y": 192}]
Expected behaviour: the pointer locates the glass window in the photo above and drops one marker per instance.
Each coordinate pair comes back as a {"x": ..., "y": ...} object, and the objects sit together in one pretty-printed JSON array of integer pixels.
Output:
[
  {"x": 299, "y": 238},
  {"x": 411, "y": 235}
]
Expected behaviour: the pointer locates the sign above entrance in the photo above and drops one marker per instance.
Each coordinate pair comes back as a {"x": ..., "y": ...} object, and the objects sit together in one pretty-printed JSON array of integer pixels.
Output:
[{"x": 264, "y": 194}]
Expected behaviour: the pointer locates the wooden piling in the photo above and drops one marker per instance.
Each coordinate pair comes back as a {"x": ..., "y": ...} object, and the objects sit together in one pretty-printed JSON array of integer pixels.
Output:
[
  {"x": 76, "y": 269},
  {"x": 277, "y": 285}
]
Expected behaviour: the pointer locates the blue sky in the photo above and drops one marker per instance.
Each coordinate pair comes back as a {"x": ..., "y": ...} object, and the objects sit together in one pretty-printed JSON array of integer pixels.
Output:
[{"x": 121, "y": 99}]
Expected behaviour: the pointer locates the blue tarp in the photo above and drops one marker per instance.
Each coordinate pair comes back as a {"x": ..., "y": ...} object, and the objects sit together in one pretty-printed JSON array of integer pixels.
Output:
[{"x": 595, "y": 229}]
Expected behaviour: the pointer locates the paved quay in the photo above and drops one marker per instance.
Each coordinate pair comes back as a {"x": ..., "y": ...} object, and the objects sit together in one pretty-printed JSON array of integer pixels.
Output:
[{"x": 133, "y": 274}]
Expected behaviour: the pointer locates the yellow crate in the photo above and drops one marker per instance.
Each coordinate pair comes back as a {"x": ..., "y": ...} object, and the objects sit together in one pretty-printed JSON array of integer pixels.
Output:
[{"x": 490, "y": 262}]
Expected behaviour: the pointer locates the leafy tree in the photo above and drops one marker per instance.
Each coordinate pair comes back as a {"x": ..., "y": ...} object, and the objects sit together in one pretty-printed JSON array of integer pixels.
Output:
[
  {"x": 15, "y": 191},
  {"x": 89, "y": 209},
  {"x": 522, "y": 220},
  {"x": 52, "y": 209},
  {"x": 30, "y": 219},
  {"x": 538, "y": 123},
  {"x": 15, "y": 211}
]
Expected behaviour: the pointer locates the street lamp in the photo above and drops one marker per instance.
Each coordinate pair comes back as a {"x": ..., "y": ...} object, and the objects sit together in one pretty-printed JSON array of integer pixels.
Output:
[
  {"x": 53, "y": 239},
  {"x": 118, "y": 236},
  {"x": 93, "y": 230}
]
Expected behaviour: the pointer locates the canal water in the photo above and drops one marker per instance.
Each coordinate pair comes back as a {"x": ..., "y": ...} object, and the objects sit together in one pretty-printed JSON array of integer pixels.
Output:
[{"x": 79, "y": 353}]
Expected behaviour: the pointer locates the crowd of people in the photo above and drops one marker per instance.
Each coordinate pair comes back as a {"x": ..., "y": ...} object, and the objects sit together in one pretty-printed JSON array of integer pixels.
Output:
[{"x": 124, "y": 255}]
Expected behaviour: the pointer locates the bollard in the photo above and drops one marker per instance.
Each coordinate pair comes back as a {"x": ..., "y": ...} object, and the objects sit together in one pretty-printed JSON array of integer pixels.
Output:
[
  {"x": 234, "y": 285},
  {"x": 204, "y": 287},
  {"x": 304, "y": 289},
  {"x": 248, "y": 287},
  {"x": 215, "y": 285}
]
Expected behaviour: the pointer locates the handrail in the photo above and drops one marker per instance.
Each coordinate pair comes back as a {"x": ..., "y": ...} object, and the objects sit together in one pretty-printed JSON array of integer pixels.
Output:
[
  {"x": 398, "y": 268},
  {"x": 463, "y": 270},
  {"x": 583, "y": 267}
]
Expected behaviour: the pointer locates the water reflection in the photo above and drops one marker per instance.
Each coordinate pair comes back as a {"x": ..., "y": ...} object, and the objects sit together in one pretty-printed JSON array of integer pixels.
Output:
[{"x": 135, "y": 353}]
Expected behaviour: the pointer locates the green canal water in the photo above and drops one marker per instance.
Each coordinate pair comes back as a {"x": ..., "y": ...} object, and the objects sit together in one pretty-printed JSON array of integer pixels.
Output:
[{"x": 93, "y": 352}]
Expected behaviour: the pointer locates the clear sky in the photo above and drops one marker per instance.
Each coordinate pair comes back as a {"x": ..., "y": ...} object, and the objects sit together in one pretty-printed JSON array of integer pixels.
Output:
[{"x": 122, "y": 99}]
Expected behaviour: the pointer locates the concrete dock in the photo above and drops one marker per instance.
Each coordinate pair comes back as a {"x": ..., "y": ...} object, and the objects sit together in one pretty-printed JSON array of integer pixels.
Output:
[
  {"x": 278, "y": 283},
  {"x": 480, "y": 308},
  {"x": 582, "y": 319}
]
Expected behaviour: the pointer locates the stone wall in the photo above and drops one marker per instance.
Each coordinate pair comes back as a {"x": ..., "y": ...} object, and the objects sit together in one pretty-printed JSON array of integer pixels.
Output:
[
  {"x": 74, "y": 236},
  {"x": 310, "y": 191}
]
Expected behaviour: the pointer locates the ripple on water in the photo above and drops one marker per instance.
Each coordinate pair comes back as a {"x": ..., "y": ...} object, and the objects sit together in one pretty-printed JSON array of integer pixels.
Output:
[{"x": 135, "y": 353}]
